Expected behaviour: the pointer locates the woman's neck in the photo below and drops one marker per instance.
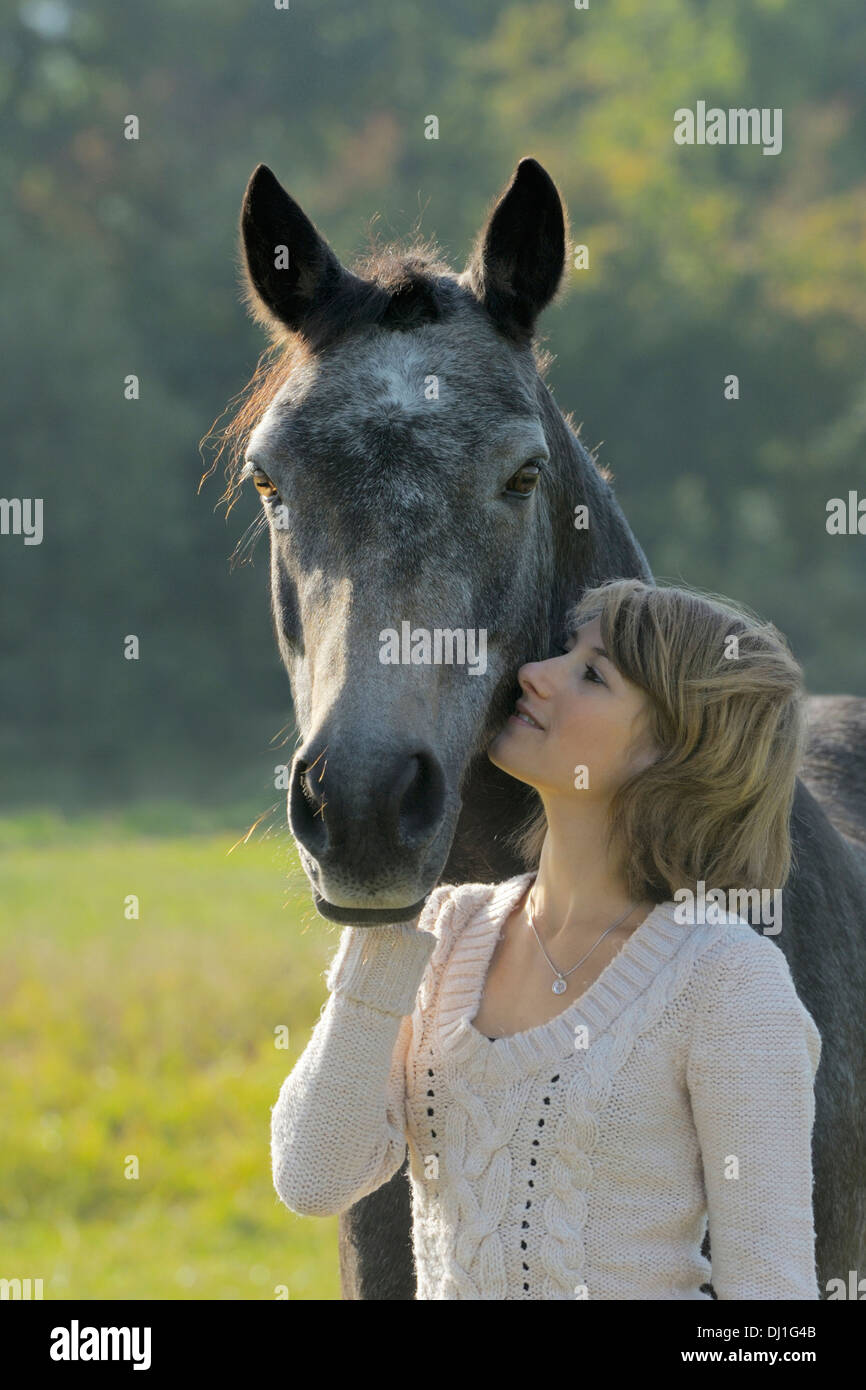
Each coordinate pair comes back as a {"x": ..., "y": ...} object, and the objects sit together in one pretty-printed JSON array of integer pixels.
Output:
[{"x": 577, "y": 892}]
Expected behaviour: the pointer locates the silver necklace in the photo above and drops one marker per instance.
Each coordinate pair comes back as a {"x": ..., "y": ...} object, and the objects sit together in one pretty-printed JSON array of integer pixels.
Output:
[{"x": 559, "y": 986}]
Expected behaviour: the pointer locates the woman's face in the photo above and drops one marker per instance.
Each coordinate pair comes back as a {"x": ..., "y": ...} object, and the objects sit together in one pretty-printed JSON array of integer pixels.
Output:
[{"x": 588, "y": 715}]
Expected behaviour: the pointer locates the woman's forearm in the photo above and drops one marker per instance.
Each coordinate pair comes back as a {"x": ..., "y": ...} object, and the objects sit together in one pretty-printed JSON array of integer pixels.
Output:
[{"x": 338, "y": 1126}]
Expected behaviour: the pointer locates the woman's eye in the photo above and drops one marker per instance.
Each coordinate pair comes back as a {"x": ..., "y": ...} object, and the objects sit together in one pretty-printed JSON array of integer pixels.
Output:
[
  {"x": 263, "y": 485},
  {"x": 588, "y": 670},
  {"x": 523, "y": 482}
]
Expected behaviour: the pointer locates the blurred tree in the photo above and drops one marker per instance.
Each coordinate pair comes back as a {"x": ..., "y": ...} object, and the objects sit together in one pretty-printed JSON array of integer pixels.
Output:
[{"x": 121, "y": 258}]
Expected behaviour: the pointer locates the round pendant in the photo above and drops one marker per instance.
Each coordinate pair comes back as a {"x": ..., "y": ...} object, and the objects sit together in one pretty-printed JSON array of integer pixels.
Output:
[{"x": 558, "y": 986}]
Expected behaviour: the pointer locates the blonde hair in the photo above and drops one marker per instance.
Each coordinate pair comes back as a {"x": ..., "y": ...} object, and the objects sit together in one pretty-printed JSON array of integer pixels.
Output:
[{"x": 731, "y": 730}]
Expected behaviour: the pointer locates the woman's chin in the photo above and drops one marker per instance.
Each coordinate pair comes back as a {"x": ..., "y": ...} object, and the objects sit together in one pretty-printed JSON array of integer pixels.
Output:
[{"x": 496, "y": 752}]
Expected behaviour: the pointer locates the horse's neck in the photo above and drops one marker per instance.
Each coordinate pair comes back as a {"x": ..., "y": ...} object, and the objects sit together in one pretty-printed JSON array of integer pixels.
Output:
[{"x": 607, "y": 548}]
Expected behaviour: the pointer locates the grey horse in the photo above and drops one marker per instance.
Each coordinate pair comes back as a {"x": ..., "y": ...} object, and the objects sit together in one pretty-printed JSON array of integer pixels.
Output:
[{"x": 416, "y": 474}]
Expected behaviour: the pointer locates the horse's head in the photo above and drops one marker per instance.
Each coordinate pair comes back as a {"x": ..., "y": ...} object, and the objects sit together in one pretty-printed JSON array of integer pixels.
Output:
[{"x": 401, "y": 461}]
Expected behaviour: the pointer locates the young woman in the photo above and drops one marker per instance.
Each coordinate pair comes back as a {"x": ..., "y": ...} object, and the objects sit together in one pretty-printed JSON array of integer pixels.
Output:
[{"x": 587, "y": 1072}]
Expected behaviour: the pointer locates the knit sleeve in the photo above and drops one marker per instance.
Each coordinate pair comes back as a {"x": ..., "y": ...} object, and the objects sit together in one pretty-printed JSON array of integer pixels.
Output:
[
  {"x": 752, "y": 1061},
  {"x": 338, "y": 1125}
]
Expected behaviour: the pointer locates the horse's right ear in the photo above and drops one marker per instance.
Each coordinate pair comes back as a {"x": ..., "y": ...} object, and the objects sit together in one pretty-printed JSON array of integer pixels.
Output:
[
  {"x": 289, "y": 268},
  {"x": 519, "y": 256}
]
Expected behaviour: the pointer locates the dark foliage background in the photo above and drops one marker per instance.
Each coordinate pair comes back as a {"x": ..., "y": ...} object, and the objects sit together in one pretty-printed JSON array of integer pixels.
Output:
[{"x": 120, "y": 258}]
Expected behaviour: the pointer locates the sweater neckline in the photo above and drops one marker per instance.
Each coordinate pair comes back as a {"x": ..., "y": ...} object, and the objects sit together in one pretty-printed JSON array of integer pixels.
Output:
[{"x": 654, "y": 942}]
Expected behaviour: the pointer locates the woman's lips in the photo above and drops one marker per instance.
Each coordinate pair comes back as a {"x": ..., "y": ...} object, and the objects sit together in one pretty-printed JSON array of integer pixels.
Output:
[{"x": 521, "y": 718}]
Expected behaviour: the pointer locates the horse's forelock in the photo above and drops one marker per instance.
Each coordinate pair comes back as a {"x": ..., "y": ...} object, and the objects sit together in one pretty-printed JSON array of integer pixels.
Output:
[{"x": 390, "y": 287}]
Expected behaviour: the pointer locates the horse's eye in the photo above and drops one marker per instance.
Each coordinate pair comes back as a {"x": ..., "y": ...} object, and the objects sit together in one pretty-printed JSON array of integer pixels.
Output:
[
  {"x": 263, "y": 485},
  {"x": 524, "y": 480}
]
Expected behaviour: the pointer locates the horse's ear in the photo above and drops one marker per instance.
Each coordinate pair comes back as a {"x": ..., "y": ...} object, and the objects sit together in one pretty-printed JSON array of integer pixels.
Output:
[
  {"x": 290, "y": 269},
  {"x": 519, "y": 256}
]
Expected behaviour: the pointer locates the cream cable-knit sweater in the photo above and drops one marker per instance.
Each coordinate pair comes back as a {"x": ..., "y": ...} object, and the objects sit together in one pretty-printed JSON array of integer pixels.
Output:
[{"x": 581, "y": 1158}]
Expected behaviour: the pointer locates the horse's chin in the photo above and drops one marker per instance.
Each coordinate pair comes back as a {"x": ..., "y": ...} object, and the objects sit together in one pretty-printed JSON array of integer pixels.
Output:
[{"x": 367, "y": 916}]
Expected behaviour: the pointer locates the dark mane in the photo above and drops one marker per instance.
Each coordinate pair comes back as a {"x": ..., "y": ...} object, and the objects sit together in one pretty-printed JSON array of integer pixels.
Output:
[
  {"x": 410, "y": 286},
  {"x": 393, "y": 287}
]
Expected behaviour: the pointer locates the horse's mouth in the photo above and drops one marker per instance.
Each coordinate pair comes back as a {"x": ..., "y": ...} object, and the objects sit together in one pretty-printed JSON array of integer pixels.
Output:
[{"x": 367, "y": 916}]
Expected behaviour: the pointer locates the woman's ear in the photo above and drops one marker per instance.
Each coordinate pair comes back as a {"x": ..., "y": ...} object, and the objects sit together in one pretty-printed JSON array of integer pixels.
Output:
[
  {"x": 646, "y": 758},
  {"x": 643, "y": 751}
]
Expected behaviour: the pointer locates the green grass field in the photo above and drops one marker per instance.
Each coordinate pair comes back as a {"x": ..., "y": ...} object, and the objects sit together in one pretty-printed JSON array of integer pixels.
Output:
[{"x": 154, "y": 1038}]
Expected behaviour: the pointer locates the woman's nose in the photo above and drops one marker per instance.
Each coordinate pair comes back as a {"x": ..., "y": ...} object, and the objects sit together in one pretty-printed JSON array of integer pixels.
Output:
[
  {"x": 533, "y": 674},
  {"x": 544, "y": 664}
]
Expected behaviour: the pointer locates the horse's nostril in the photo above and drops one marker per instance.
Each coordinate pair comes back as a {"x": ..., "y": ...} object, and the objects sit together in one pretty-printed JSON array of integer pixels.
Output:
[
  {"x": 395, "y": 810},
  {"x": 421, "y": 799},
  {"x": 305, "y": 806}
]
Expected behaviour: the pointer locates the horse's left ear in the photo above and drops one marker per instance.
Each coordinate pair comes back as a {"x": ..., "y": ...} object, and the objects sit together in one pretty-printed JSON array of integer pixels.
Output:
[{"x": 519, "y": 256}]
